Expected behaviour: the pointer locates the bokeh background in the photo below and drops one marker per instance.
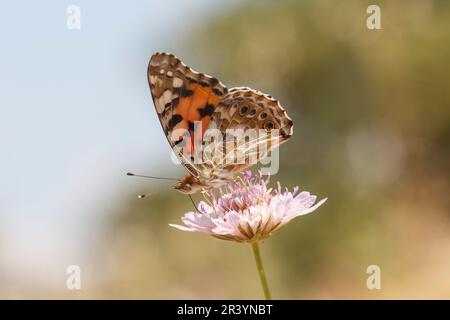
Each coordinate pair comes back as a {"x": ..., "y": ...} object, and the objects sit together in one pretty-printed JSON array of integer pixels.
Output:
[{"x": 371, "y": 112}]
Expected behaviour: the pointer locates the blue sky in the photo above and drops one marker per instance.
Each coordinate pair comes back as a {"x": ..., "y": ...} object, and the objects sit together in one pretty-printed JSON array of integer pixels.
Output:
[{"x": 75, "y": 115}]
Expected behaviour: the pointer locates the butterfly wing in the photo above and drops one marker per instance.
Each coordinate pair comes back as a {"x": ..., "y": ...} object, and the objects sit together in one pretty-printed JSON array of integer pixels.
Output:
[
  {"x": 244, "y": 108},
  {"x": 181, "y": 97}
]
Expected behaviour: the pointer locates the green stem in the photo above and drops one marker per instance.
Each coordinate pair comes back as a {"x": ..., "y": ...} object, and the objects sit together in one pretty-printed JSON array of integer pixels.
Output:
[{"x": 262, "y": 274}]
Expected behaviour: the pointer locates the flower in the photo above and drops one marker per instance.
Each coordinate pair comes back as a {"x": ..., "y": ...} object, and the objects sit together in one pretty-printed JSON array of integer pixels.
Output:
[{"x": 247, "y": 210}]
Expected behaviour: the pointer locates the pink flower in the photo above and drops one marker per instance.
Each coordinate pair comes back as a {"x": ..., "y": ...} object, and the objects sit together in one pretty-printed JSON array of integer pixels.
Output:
[{"x": 247, "y": 210}]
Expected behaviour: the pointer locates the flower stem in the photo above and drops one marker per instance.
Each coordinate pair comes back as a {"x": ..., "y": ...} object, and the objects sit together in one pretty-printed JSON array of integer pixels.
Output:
[{"x": 262, "y": 274}]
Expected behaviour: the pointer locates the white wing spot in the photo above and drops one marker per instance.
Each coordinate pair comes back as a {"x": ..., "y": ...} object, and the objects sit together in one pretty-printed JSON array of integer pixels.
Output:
[
  {"x": 159, "y": 105},
  {"x": 177, "y": 82},
  {"x": 167, "y": 96}
]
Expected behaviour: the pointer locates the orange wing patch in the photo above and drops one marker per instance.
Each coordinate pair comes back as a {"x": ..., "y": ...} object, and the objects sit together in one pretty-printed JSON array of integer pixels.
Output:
[
  {"x": 182, "y": 96},
  {"x": 197, "y": 103}
]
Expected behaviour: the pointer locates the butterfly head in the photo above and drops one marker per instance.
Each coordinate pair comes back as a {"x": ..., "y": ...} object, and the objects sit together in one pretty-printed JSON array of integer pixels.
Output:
[{"x": 189, "y": 184}]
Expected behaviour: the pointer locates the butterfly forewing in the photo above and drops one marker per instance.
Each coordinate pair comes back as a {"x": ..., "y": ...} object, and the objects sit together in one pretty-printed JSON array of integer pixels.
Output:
[{"x": 182, "y": 96}]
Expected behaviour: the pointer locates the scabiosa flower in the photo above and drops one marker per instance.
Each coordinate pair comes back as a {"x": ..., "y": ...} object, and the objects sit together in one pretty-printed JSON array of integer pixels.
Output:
[{"x": 247, "y": 210}]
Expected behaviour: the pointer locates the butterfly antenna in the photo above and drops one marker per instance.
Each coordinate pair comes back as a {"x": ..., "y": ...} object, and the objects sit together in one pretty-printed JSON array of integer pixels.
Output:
[
  {"x": 192, "y": 200},
  {"x": 150, "y": 177}
]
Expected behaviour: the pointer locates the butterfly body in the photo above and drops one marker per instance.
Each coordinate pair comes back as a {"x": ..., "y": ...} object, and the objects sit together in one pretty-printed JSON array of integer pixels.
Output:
[
  {"x": 190, "y": 184},
  {"x": 194, "y": 104}
]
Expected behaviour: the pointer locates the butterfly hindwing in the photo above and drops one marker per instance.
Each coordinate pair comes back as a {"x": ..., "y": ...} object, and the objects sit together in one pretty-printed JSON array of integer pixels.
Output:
[
  {"x": 244, "y": 108},
  {"x": 251, "y": 109}
]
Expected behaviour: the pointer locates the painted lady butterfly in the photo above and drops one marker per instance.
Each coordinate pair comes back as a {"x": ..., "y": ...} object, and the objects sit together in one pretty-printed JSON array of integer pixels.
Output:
[{"x": 184, "y": 98}]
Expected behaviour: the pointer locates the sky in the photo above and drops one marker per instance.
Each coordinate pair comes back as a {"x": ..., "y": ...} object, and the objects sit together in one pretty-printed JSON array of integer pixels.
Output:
[{"x": 75, "y": 116}]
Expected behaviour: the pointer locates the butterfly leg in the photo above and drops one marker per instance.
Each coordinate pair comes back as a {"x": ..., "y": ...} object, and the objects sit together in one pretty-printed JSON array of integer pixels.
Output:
[
  {"x": 192, "y": 200},
  {"x": 243, "y": 182},
  {"x": 206, "y": 196}
]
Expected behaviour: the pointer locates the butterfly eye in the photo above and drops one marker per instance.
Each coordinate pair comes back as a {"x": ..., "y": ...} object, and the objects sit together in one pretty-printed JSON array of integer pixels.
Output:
[
  {"x": 243, "y": 110},
  {"x": 268, "y": 125}
]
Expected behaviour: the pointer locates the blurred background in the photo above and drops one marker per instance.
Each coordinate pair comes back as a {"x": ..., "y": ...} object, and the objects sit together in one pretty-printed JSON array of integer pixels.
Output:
[{"x": 371, "y": 112}]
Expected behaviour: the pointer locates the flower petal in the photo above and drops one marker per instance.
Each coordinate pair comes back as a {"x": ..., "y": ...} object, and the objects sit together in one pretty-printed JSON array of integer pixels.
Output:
[
  {"x": 182, "y": 228},
  {"x": 247, "y": 210}
]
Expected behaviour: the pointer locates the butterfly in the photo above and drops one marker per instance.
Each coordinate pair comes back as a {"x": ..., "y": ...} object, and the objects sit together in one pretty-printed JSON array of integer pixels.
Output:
[{"x": 186, "y": 100}]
